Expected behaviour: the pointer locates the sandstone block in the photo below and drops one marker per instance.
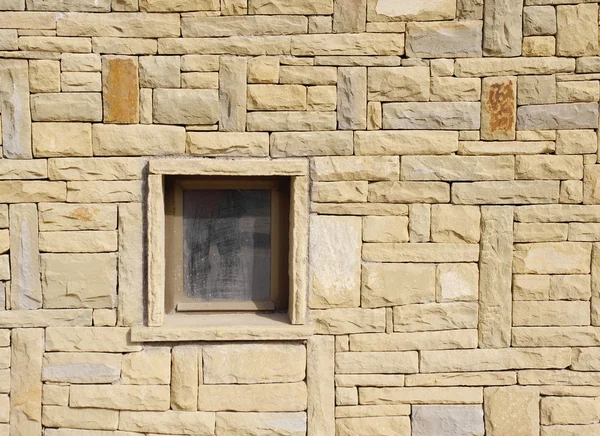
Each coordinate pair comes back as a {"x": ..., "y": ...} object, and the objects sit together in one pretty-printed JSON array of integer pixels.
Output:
[
  {"x": 552, "y": 258},
  {"x": 234, "y": 46},
  {"x": 503, "y": 28},
  {"x": 227, "y": 143},
  {"x": 137, "y": 140},
  {"x": 200, "y": 80},
  {"x": 444, "y": 39},
  {"x": 576, "y": 141},
  {"x": 591, "y": 184},
  {"x": 280, "y": 397},
  {"x": 340, "y": 192},
  {"x": 320, "y": 384},
  {"x": 184, "y": 377},
  {"x": 435, "y": 316},
  {"x": 352, "y": 98},
  {"x": 389, "y": 284},
  {"x": 79, "y": 280},
  {"x": 409, "y": 192},
  {"x": 551, "y": 313},
  {"x": 557, "y": 213},
  {"x": 360, "y": 209},
  {"x": 455, "y": 224},
  {"x": 299, "y": 7},
  {"x": 540, "y": 232},
  {"x": 26, "y": 20},
  {"x": 385, "y": 229},
  {"x": 182, "y": 422},
  {"x": 349, "y": 16},
  {"x": 419, "y": 395},
  {"x": 159, "y": 71},
  {"x": 345, "y": 321},
  {"x": 556, "y": 336},
  {"x": 512, "y": 410},
  {"x": 570, "y": 287},
  {"x": 95, "y": 169},
  {"x": 455, "y": 89},
  {"x": 26, "y": 290},
  {"x": 308, "y": 75},
  {"x": 185, "y": 106},
  {"x": 515, "y": 66},
  {"x": 577, "y": 33},
  {"x": 31, "y": 191},
  {"x": 290, "y": 121},
  {"x": 61, "y": 139},
  {"x": 292, "y": 424},
  {"x": 68, "y": 5},
  {"x": 505, "y": 147},
  {"x": 398, "y": 84},
  {"x": 436, "y": 340},
  {"x": 233, "y": 94},
  {"x": 391, "y": 425},
  {"x": 122, "y": 46},
  {"x": 574, "y": 92},
  {"x": 574, "y": 410},
  {"x": 120, "y": 397},
  {"x": 80, "y": 82},
  {"x": 447, "y": 421},
  {"x": 55, "y": 395},
  {"x": 536, "y": 90},
  {"x": 152, "y": 366},
  {"x": 14, "y": 108},
  {"x": 276, "y": 97},
  {"x": 584, "y": 231},
  {"x": 193, "y": 26},
  {"x": 77, "y": 242},
  {"x": 539, "y": 20},
  {"x": 488, "y": 378},
  {"x": 81, "y": 368},
  {"x": 44, "y": 317},
  {"x": 405, "y": 142},
  {"x": 457, "y": 282},
  {"x": 453, "y": 168},
  {"x": 420, "y": 253},
  {"x": 355, "y": 168},
  {"x": 120, "y": 25},
  {"x": 363, "y": 44},
  {"x": 80, "y": 106},
  {"x": 93, "y": 419},
  {"x": 79, "y": 62},
  {"x": 102, "y": 339},
  {"x": 321, "y": 98},
  {"x": 44, "y": 76},
  {"x": 432, "y": 116},
  {"x": 498, "y": 108},
  {"x": 549, "y": 167},
  {"x": 413, "y": 10},
  {"x": 512, "y": 192},
  {"x": 56, "y": 217},
  {"x": 120, "y": 90},
  {"x": 558, "y": 116},
  {"x": 254, "y": 363},
  {"x": 263, "y": 69},
  {"x": 8, "y": 39},
  {"x": 376, "y": 362},
  {"x": 334, "y": 272}
]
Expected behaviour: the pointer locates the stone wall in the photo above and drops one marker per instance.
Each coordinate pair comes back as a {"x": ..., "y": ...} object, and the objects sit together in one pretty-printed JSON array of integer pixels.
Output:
[{"x": 454, "y": 255}]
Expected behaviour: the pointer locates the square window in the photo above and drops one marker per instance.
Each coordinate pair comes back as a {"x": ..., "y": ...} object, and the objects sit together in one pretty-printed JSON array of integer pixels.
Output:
[{"x": 226, "y": 241}]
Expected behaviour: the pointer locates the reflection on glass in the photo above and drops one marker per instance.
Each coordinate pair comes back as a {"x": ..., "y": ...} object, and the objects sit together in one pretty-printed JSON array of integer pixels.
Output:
[{"x": 227, "y": 240}]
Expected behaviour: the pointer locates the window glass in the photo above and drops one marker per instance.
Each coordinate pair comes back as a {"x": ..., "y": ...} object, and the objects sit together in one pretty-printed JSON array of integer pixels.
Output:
[{"x": 227, "y": 244}]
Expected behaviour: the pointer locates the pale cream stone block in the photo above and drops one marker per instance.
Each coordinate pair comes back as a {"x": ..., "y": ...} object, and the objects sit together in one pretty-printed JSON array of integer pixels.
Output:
[
  {"x": 160, "y": 71},
  {"x": 557, "y": 213},
  {"x": 455, "y": 224},
  {"x": 536, "y": 90},
  {"x": 552, "y": 258},
  {"x": 437, "y": 340},
  {"x": 93, "y": 339},
  {"x": 406, "y": 142},
  {"x": 104, "y": 192},
  {"x": 184, "y": 377},
  {"x": 55, "y": 395},
  {"x": 345, "y": 321},
  {"x": 5, "y": 358},
  {"x": 509, "y": 192},
  {"x": 551, "y": 313},
  {"x": 360, "y": 209},
  {"x": 44, "y": 76},
  {"x": 376, "y": 362},
  {"x": 54, "y": 44},
  {"x": 558, "y": 410},
  {"x": 308, "y": 75},
  {"x": 358, "y": 60},
  {"x": 119, "y": 25},
  {"x": 320, "y": 24},
  {"x": 77, "y": 62},
  {"x": 8, "y": 39},
  {"x": 457, "y": 282},
  {"x": 31, "y": 191},
  {"x": 344, "y": 396},
  {"x": 201, "y": 63},
  {"x": 435, "y": 316},
  {"x": 263, "y": 69},
  {"x": 271, "y": 7},
  {"x": 27, "y": 20},
  {"x": 342, "y": 343},
  {"x": 233, "y": 46},
  {"x": 452, "y": 418},
  {"x": 124, "y": 46},
  {"x": 576, "y": 141},
  {"x": 285, "y": 144},
  {"x": 353, "y": 380},
  {"x": 352, "y": 98},
  {"x": 591, "y": 184},
  {"x": 377, "y": 252},
  {"x": 146, "y": 106},
  {"x": 292, "y": 424},
  {"x": 280, "y": 397},
  {"x": 391, "y": 425},
  {"x": 95, "y": 169},
  {"x": 62, "y": 139},
  {"x": 81, "y": 82},
  {"x": 577, "y": 30},
  {"x": 539, "y": 20},
  {"x": 81, "y": 368},
  {"x": 320, "y": 384},
  {"x": 540, "y": 232},
  {"x": 26, "y": 384},
  {"x": 14, "y": 106},
  {"x": 409, "y": 192},
  {"x": 512, "y": 410},
  {"x": 421, "y": 395},
  {"x": 570, "y": 287},
  {"x": 419, "y": 225},
  {"x": 93, "y": 419},
  {"x": 398, "y": 84},
  {"x": 26, "y": 292},
  {"x": 374, "y": 115},
  {"x": 432, "y": 116},
  {"x": 556, "y": 336},
  {"x": 326, "y": 169},
  {"x": 559, "y": 377},
  {"x": 442, "y": 68},
  {"x": 549, "y": 167},
  {"x": 412, "y": 10},
  {"x": 334, "y": 256},
  {"x": 514, "y": 66},
  {"x": 45, "y": 318},
  {"x": 195, "y": 26},
  {"x": 130, "y": 266},
  {"x": 152, "y": 366},
  {"x": 348, "y": 45},
  {"x": 584, "y": 231},
  {"x": 234, "y": 7},
  {"x": 227, "y": 143},
  {"x": 455, "y": 89},
  {"x": 290, "y": 121},
  {"x": 77, "y": 106},
  {"x": 137, "y": 139},
  {"x": 571, "y": 191},
  {"x": 539, "y": 46},
  {"x": 104, "y": 318},
  {"x": 78, "y": 242},
  {"x": 444, "y": 39},
  {"x": 121, "y": 397},
  {"x": 233, "y": 94},
  {"x": 57, "y": 217},
  {"x": 452, "y": 168},
  {"x": 23, "y": 169},
  {"x": 200, "y": 80},
  {"x": 573, "y": 92},
  {"x": 79, "y": 280},
  {"x": 68, "y": 5},
  {"x": 340, "y": 192},
  {"x": 488, "y": 378},
  {"x": 185, "y": 106},
  {"x": 385, "y": 229},
  {"x": 391, "y": 284},
  {"x": 505, "y": 147},
  {"x": 185, "y": 422},
  {"x": 4, "y": 338},
  {"x": 586, "y": 359}
]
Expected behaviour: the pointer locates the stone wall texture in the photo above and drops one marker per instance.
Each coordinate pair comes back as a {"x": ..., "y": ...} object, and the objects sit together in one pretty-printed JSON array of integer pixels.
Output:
[{"x": 454, "y": 182}]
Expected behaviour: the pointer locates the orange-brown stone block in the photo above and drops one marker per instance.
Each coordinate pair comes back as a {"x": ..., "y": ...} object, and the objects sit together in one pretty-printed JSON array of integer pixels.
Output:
[
  {"x": 120, "y": 89},
  {"x": 499, "y": 108}
]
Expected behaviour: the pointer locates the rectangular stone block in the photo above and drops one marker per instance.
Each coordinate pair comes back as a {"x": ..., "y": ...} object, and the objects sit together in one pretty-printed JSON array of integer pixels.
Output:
[
  {"x": 455, "y": 89},
  {"x": 320, "y": 383},
  {"x": 512, "y": 410},
  {"x": 232, "y": 94},
  {"x": 409, "y": 192},
  {"x": 227, "y": 143},
  {"x": 77, "y": 242},
  {"x": 279, "y": 397},
  {"x": 104, "y": 192},
  {"x": 93, "y": 419},
  {"x": 490, "y": 378},
  {"x": 26, "y": 290},
  {"x": 569, "y": 411},
  {"x": 120, "y": 90},
  {"x": 271, "y": 7},
  {"x": 194, "y": 26},
  {"x": 345, "y": 321},
  {"x": 95, "y": 169},
  {"x": 577, "y": 33},
  {"x": 115, "y": 140},
  {"x": 552, "y": 258},
  {"x": 391, "y": 425},
  {"x": 352, "y": 98},
  {"x": 398, "y": 84},
  {"x": 120, "y": 397},
  {"x": 62, "y": 139},
  {"x": 511, "y": 192},
  {"x": 457, "y": 168},
  {"x": 503, "y": 31},
  {"x": 68, "y": 5},
  {"x": 367, "y": 44},
  {"x": 436, "y": 340},
  {"x": 432, "y": 116},
  {"x": 549, "y": 167},
  {"x": 253, "y": 363},
  {"x": 58, "y": 217},
  {"x": 435, "y": 316},
  {"x": 164, "y": 422},
  {"x": 80, "y": 82},
  {"x": 45, "y": 318},
  {"x": 419, "y": 395},
  {"x": 415, "y": 142},
  {"x": 558, "y": 116},
  {"x": 355, "y": 168},
  {"x": 120, "y": 25},
  {"x": 376, "y": 362},
  {"x": 130, "y": 265},
  {"x": 14, "y": 107},
  {"x": 499, "y": 108},
  {"x": 64, "y": 106},
  {"x": 122, "y": 46},
  {"x": 452, "y": 418},
  {"x": 81, "y": 368},
  {"x": 512, "y": 67},
  {"x": 420, "y": 253},
  {"x": 411, "y": 10},
  {"x": 276, "y": 97},
  {"x": 184, "y": 377},
  {"x": 102, "y": 339},
  {"x": 293, "y": 424},
  {"x": 290, "y": 121},
  {"x": 185, "y": 106},
  {"x": 444, "y": 39},
  {"x": 551, "y": 313},
  {"x": 311, "y": 144}
]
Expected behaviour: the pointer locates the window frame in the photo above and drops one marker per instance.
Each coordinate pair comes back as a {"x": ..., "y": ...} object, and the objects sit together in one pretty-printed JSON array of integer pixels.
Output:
[
  {"x": 175, "y": 298},
  {"x": 296, "y": 170}
]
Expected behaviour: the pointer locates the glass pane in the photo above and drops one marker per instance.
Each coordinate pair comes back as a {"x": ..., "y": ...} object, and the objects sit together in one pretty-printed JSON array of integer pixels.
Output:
[{"x": 227, "y": 244}]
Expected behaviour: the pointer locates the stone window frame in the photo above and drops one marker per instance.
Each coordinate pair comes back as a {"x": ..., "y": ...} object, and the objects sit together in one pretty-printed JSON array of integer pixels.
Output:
[{"x": 162, "y": 327}]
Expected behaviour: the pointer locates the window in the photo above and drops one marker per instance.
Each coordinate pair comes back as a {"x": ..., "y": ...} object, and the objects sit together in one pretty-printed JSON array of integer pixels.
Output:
[
  {"x": 227, "y": 236},
  {"x": 226, "y": 241}
]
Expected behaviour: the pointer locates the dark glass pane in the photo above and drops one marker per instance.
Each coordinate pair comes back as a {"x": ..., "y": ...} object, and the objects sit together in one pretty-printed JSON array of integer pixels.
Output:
[{"x": 227, "y": 244}]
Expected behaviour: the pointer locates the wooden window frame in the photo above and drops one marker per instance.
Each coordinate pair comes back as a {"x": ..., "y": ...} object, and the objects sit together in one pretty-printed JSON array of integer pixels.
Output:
[{"x": 175, "y": 298}]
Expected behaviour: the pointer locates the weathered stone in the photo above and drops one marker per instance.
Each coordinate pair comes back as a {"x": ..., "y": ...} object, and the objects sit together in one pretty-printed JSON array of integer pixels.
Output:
[
  {"x": 280, "y": 397},
  {"x": 455, "y": 89},
  {"x": 170, "y": 421},
  {"x": 95, "y": 169},
  {"x": 25, "y": 382},
  {"x": 130, "y": 264},
  {"x": 392, "y": 284},
  {"x": 539, "y": 20},
  {"x": 335, "y": 244},
  {"x": 55, "y": 395},
  {"x": 512, "y": 410},
  {"x": 120, "y": 90},
  {"x": 457, "y": 168},
  {"x": 385, "y": 229},
  {"x": 44, "y": 317},
  {"x": 224, "y": 143},
  {"x": 271, "y": 7},
  {"x": 79, "y": 280},
  {"x": 498, "y": 108},
  {"x": 360, "y": 209},
  {"x": 193, "y": 26},
  {"x": 517, "y": 192},
  {"x": 551, "y": 313},
  {"x": 577, "y": 30},
  {"x": 570, "y": 287},
  {"x": 184, "y": 377},
  {"x": 263, "y": 69},
  {"x": 68, "y": 5},
  {"x": 121, "y": 397},
  {"x": 77, "y": 242},
  {"x": 159, "y": 71},
  {"x": 418, "y": 395},
  {"x": 557, "y": 213},
  {"x": 447, "y": 421},
  {"x": 234, "y": 45},
  {"x": 419, "y": 225},
  {"x": 391, "y": 425},
  {"x": 80, "y": 82},
  {"x": 124, "y": 46},
  {"x": 444, "y": 39},
  {"x": 405, "y": 142},
  {"x": 26, "y": 292},
  {"x": 375, "y": 252},
  {"x": 352, "y": 98},
  {"x": 376, "y": 362},
  {"x": 450, "y": 223},
  {"x": 119, "y": 25},
  {"x": 291, "y": 121},
  {"x": 591, "y": 184},
  {"x": 8, "y": 39},
  {"x": 115, "y": 140},
  {"x": 559, "y": 116},
  {"x": 61, "y": 139},
  {"x": 355, "y": 168},
  {"x": 494, "y": 360},
  {"x": 489, "y": 378},
  {"x": 576, "y": 141},
  {"x": 398, "y": 84},
  {"x": 78, "y": 106},
  {"x": 515, "y": 66},
  {"x": 552, "y": 258},
  {"x": 536, "y": 90},
  {"x": 345, "y": 321},
  {"x": 409, "y": 192},
  {"x": 363, "y": 44},
  {"x": 103, "y": 339},
  {"x": 152, "y": 366},
  {"x": 292, "y": 424},
  {"x": 14, "y": 107},
  {"x": 349, "y": 16},
  {"x": 78, "y": 62},
  {"x": 432, "y": 116},
  {"x": 96, "y": 419},
  {"x": 549, "y": 167},
  {"x": 55, "y": 217},
  {"x": 541, "y": 232},
  {"x": 457, "y": 282},
  {"x": 556, "y": 410},
  {"x": 232, "y": 94},
  {"x": 321, "y": 98},
  {"x": 340, "y": 192},
  {"x": 574, "y": 92},
  {"x": 503, "y": 28},
  {"x": 44, "y": 76},
  {"x": 200, "y": 80},
  {"x": 81, "y": 368},
  {"x": 434, "y": 316},
  {"x": 436, "y": 340},
  {"x": 413, "y": 10},
  {"x": 185, "y": 106},
  {"x": 320, "y": 384}
]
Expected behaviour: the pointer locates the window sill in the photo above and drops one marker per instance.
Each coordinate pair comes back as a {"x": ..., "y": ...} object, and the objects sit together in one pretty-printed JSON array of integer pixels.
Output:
[{"x": 222, "y": 327}]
